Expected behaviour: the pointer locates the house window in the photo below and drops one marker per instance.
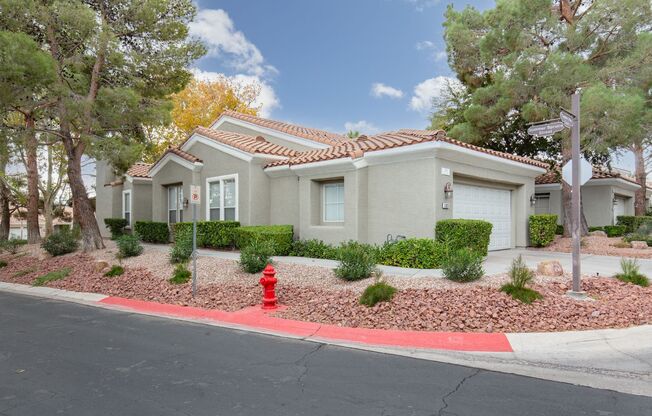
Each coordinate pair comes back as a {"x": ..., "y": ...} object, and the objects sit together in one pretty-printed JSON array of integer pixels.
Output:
[
  {"x": 222, "y": 198},
  {"x": 542, "y": 204},
  {"x": 333, "y": 201},
  {"x": 175, "y": 203},
  {"x": 126, "y": 207}
]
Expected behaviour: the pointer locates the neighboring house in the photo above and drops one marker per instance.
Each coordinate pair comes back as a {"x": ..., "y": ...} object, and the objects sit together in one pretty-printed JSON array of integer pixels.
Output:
[
  {"x": 329, "y": 187},
  {"x": 18, "y": 225},
  {"x": 604, "y": 197}
]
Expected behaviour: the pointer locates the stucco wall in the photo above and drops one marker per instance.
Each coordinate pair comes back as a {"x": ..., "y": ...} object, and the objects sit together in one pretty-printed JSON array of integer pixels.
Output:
[
  {"x": 172, "y": 173},
  {"x": 141, "y": 200},
  {"x": 226, "y": 126},
  {"x": 108, "y": 198},
  {"x": 284, "y": 201}
]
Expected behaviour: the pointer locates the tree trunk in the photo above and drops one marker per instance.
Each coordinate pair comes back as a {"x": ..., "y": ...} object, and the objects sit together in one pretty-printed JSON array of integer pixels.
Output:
[
  {"x": 641, "y": 179},
  {"x": 33, "y": 230},
  {"x": 82, "y": 209},
  {"x": 5, "y": 215}
]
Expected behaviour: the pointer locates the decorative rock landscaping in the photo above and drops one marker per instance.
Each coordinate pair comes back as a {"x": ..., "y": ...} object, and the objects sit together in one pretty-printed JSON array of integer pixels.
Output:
[{"x": 608, "y": 246}]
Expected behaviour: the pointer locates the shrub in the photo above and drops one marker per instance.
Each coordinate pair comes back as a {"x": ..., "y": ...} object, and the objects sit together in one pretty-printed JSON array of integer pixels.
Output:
[
  {"x": 357, "y": 261},
  {"x": 129, "y": 246},
  {"x": 632, "y": 223},
  {"x": 52, "y": 276},
  {"x": 465, "y": 265},
  {"x": 418, "y": 253},
  {"x": 25, "y": 272},
  {"x": 11, "y": 245},
  {"x": 559, "y": 230},
  {"x": 256, "y": 255},
  {"x": 211, "y": 234},
  {"x": 642, "y": 233},
  {"x": 542, "y": 229},
  {"x": 182, "y": 249},
  {"x": 115, "y": 271},
  {"x": 378, "y": 292},
  {"x": 181, "y": 275},
  {"x": 520, "y": 276},
  {"x": 281, "y": 237},
  {"x": 631, "y": 273},
  {"x": 458, "y": 234},
  {"x": 3, "y": 264},
  {"x": 315, "y": 249},
  {"x": 60, "y": 243},
  {"x": 614, "y": 230},
  {"x": 591, "y": 229},
  {"x": 116, "y": 226},
  {"x": 152, "y": 231}
]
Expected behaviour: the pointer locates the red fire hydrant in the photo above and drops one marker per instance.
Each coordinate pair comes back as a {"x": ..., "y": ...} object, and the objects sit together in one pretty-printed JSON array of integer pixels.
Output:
[{"x": 269, "y": 284}]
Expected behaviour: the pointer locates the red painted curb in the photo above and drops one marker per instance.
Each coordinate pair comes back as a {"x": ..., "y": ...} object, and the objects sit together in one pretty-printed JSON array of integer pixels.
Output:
[{"x": 255, "y": 317}]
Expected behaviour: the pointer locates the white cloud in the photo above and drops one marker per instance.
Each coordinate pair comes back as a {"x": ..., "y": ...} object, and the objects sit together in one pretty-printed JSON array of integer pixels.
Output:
[
  {"x": 440, "y": 56},
  {"x": 218, "y": 32},
  {"x": 424, "y": 44},
  {"x": 380, "y": 90},
  {"x": 266, "y": 100},
  {"x": 421, "y": 5},
  {"x": 426, "y": 92},
  {"x": 362, "y": 126}
]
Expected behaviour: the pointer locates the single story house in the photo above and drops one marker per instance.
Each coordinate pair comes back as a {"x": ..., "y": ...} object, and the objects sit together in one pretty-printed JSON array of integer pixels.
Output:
[
  {"x": 607, "y": 195},
  {"x": 329, "y": 187}
]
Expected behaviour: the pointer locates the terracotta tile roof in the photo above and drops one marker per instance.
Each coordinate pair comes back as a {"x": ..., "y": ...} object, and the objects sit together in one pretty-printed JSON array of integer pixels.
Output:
[
  {"x": 363, "y": 144},
  {"x": 554, "y": 176},
  {"x": 139, "y": 170},
  {"x": 185, "y": 155},
  {"x": 249, "y": 144},
  {"x": 309, "y": 133}
]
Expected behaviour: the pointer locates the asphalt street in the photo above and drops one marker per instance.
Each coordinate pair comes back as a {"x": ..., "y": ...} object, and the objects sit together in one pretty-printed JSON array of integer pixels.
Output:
[{"x": 59, "y": 358}]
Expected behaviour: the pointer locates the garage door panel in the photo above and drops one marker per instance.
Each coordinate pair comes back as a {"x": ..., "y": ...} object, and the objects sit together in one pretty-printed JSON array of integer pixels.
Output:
[{"x": 488, "y": 204}]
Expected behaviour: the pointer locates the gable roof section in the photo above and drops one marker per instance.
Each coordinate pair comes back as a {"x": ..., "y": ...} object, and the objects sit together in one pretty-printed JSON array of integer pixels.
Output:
[
  {"x": 554, "y": 176},
  {"x": 249, "y": 144},
  {"x": 139, "y": 170},
  {"x": 384, "y": 141},
  {"x": 187, "y": 160},
  {"x": 315, "y": 135}
]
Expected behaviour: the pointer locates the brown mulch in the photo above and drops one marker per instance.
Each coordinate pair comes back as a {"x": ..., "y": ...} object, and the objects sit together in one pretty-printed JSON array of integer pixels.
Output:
[
  {"x": 461, "y": 308},
  {"x": 604, "y": 246}
]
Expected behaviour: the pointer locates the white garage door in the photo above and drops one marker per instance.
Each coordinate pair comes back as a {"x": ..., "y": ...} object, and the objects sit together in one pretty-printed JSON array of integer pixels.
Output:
[
  {"x": 488, "y": 204},
  {"x": 619, "y": 207}
]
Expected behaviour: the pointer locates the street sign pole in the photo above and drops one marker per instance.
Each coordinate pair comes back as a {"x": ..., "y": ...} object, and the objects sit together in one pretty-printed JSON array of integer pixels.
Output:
[{"x": 577, "y": 213}]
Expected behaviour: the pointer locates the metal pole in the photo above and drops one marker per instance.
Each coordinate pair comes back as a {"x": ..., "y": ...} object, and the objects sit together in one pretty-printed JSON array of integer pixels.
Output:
[
  {"x": 194, "y": 250},
  {"x": 576, "y": 210}
]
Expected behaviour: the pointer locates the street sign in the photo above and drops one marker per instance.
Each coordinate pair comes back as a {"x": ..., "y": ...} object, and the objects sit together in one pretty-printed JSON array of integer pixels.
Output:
[
  {"x": 195, "y": 194},
  {"x": 547, "y": 128},
  {"x": 586, "y": 172},
  {"x": 567, "y": 118}
]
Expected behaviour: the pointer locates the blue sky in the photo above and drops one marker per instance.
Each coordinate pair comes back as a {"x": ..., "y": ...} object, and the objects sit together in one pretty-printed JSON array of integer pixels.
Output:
[{"x": 369, "y": 64}]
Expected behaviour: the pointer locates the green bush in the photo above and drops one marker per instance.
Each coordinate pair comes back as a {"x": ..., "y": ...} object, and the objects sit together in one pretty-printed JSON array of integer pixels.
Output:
[
  {"x": 520, "y": 276},
  {"x": 116, "y": 226},
  {"x": 152, "y": 231},
  {"x": 642, "y": 233},
  {"x": 417, "y": 253},
  {"x": 115, "y": 271},
  {"x": 280, "y": 235},
  {"x": 11, "y": 245},
  {"x": 60, "y": 243},
  {"x": 3, "y": 264},
  {"x": 559, "y": 230},
  {"x": 181, "y": 275},
  {"x": 129, "y": 246},
  {"x": 542, "y": 229},
  {"x": 591, "y": 229},
  {"x": 464, "y": 265},
  {"x": 256, "y": 255},
  {"x": 357, "y": 261},
  {"x": 631, "y": 273},
  {"x": 632, "y": 223},
  {"x": 461, "y": 233},
  {"x": 378, "y": 292},
  {"x": 615, "y": 230},
  {"x": 182, "y": 248},
  {"x": 210, "y": 234},
  {"x": 52, "y": 276},
  {"x": 315, "y": 249}
]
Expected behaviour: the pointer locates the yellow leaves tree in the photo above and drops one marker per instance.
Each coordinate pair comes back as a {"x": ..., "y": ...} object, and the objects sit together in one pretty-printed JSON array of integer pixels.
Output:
[{"x": 200, "y": 104}]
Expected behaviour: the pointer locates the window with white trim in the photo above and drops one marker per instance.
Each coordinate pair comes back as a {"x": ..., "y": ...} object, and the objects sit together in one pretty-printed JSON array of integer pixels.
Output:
[
  {"x": 175, "y": 204},
  {"x": 222, "y": 198},
  {"x": 333, "y": 201},
  {"x": 126, "y": 207}
]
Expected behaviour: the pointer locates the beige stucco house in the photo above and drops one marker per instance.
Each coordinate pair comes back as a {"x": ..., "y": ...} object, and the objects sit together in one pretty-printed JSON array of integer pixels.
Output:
[
  {"x": 605, "y": 196},
  {"x": 329, "y": 187}
]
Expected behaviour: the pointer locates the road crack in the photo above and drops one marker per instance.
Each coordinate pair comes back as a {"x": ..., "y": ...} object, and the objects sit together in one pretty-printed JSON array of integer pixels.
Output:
[
  {"x": 448, "y": 395},
  {"x": 303, "y": 361}
]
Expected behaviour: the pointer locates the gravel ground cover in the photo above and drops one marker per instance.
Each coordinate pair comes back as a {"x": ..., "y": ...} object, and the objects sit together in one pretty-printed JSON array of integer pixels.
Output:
[
  {"x": 598, "y": 245},
  {"x": 315, "y": 294}
]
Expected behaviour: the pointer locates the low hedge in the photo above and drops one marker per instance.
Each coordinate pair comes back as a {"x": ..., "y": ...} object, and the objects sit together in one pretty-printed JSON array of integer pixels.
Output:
[
  {"x": 116, "y": 226},
  {"x": 542, "y": 228},
  {"x": 615, "y": 230},
  {"x": 591, "y": 229},
  {"x": 152, "y": 231},
  {"x": 280, "y": 235},
  {"x": 632, "y": 223},
  {"x": 314, "y": 248},
  {"x": 462, "y": 233},
  {"x": 416, "y": 253},
  {"x": 210, "y": 234},
  {"x": 559, "y": 230}
]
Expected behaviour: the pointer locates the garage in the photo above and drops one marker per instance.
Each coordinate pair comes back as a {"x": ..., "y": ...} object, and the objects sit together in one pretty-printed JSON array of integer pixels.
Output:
[
  {"x": 488, "y": 204},
  {"x": 619, "y": 207}
]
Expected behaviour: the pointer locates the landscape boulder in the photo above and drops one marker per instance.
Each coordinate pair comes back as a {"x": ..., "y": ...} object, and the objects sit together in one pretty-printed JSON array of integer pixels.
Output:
[
  {"x": 550, "y": 268},
  {"x": 598, "y": 233},
  {"x": 101, "y": 265},
  {"x": 639, "y": 244}
]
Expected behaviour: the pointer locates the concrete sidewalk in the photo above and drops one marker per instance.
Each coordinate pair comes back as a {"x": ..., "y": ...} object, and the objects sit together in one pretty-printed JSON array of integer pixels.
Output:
[{"x": 496, "y": 262}]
